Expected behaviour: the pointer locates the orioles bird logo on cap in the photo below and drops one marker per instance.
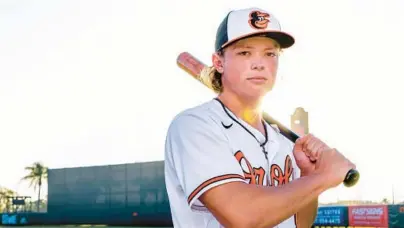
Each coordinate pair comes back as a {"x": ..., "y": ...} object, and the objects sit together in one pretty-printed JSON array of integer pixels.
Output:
[{"x": 259, "y": 20}]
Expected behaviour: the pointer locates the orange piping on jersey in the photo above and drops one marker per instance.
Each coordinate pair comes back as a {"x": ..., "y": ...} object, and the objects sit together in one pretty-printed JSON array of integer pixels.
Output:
[{"x": 211, "y": 181}]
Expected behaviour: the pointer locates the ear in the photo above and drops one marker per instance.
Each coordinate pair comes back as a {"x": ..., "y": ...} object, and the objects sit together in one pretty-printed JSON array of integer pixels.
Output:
[{"x": 217, "y": 62}]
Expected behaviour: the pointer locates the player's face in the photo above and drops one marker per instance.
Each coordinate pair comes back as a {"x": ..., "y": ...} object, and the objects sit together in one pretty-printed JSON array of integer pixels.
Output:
[{"x": 250, "y": 67}]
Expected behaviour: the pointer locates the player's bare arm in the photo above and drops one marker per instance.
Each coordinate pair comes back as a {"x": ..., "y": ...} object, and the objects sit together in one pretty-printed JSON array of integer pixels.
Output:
[
  {"x": 306, "y": 151},
  {"x": 243, "y": 205},
  {"x": 306, "y": 216}
]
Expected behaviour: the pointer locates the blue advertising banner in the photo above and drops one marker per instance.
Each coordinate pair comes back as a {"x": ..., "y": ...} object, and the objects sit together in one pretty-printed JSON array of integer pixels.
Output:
[
  {"x": 332, "y": 215},
  {"x": 396, "y": 216},
  {"x": 13, "y": 219}
]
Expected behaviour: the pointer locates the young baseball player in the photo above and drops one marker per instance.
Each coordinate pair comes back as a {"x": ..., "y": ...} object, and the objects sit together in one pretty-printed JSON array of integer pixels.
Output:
[{"x": 226, "y": 167}]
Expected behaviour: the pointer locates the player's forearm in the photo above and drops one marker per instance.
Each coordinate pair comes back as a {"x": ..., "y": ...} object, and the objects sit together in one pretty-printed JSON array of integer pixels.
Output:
[
  {"x": 307, "y": 216},
  {"x": 270, "y": 206}
]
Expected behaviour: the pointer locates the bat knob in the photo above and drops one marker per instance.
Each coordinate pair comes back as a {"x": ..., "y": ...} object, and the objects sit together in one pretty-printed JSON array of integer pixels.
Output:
[{"x": 351, "y": 178}]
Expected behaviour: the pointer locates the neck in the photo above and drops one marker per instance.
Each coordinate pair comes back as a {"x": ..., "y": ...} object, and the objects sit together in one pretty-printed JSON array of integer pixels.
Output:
[{"x": 248, "y": 110}]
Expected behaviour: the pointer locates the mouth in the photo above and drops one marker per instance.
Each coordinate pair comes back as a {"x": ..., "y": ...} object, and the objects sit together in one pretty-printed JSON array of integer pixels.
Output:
[
  {"x": 261, "y": 22},
  {"x": 258, "y": 78}
]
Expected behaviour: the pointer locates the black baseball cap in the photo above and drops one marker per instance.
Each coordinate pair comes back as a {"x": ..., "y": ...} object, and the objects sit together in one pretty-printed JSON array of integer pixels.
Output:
[{"x": 248, "y": 22}]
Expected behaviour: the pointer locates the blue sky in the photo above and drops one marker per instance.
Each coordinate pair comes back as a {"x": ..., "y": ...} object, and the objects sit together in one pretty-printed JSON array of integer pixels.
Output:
[{"x": 95, "y": 82}]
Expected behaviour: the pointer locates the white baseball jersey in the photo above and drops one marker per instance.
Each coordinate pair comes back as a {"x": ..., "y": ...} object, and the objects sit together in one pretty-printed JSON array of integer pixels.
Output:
[{"x": 207, "y": 146}]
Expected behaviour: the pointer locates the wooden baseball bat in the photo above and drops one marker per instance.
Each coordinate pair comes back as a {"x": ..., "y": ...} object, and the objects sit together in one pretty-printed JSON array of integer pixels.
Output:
[{"x": 193, "y": 66}]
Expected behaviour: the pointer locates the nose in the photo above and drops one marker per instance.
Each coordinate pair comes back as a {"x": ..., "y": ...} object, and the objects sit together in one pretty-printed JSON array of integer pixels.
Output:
[{"x": 257, "y": 64}]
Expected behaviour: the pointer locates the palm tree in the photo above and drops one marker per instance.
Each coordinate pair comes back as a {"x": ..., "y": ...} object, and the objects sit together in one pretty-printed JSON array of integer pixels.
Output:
[
  {"x": 385, "y": 201},
  {"x": 37, "y": 173},
  {"x": 5, "y": 195}
]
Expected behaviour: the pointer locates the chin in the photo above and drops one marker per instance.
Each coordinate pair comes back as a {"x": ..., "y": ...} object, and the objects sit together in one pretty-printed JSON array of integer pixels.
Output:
[
  {"x": 256, "y": 94},
  {"x": 258, "y": 91}
]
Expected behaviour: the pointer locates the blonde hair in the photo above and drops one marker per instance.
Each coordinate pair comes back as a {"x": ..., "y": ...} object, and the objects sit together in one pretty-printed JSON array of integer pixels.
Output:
[{"x": 211, "y": 77}]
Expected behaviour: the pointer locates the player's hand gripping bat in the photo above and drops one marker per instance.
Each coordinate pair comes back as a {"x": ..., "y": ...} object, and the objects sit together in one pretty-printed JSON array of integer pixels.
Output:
[{"x": 193, "y": 66}]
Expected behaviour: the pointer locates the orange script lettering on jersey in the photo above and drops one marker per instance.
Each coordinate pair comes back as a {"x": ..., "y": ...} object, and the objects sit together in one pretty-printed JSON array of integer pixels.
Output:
[
  {"x": 253, "y": 174},
  {"x": 279, "y": 176}
]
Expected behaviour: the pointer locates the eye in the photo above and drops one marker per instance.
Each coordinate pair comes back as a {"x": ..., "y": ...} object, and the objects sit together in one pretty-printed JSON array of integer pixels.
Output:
[
  {"x": 272, "y": 54},
  {"x": 243, "y": 53}
]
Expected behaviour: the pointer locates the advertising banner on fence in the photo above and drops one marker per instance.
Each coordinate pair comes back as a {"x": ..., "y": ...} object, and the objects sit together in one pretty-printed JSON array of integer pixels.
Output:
[
  {"x": 396, "y": 216},
  {"x": 332, "y": 216},
  {"x": 368, "y": 215},
  {"x": 13, "y": 219}
]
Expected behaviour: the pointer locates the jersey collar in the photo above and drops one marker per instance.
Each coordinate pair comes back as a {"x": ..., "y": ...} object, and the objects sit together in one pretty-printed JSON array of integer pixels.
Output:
[{"x": 261, "y": 138}]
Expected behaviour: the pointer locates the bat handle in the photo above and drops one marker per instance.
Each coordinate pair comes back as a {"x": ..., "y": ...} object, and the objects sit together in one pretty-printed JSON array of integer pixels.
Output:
[{"x": 351, "y": 178}]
